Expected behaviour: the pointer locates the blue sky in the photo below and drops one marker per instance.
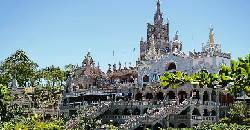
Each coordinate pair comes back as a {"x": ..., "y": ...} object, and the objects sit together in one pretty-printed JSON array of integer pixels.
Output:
[{"x": 59, "y": 32}]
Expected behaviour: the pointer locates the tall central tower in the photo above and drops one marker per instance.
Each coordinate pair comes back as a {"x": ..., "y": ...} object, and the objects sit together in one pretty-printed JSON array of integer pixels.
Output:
[{"x": 159, "y": 31}]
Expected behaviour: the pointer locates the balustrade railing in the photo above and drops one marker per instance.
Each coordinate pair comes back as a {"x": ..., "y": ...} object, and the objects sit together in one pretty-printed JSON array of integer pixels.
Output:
[
  {"x": 154, "y": 115},
  {"x": 204, "y": 118},
  {"x": 92, "y": 112},
  {"x": 210, "y": 103}
]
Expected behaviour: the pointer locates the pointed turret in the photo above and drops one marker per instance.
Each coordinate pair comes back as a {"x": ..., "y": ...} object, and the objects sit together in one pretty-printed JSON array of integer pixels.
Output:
[{"x": 211, "y": 36}]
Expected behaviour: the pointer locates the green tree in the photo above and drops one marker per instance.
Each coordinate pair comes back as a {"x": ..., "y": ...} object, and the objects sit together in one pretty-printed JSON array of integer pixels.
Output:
[
  {"x": 5, "y": 99},
  {"x": 236, "y": 77},
  {"x": 54, "y": 76},
  {"x": 204, "y": 79},
  {"x": 20, "y": 66}
]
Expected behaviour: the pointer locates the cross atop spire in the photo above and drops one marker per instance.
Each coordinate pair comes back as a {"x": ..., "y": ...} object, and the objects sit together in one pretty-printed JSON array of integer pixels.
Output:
[{"x": 158, "y": 15}]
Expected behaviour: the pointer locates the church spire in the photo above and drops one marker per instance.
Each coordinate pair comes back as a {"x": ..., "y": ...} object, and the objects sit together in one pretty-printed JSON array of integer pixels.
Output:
[
  {"x": 158, "y": 15},
  {"x": 158, "y": 6},
  {"x": 211, "y": 36}
]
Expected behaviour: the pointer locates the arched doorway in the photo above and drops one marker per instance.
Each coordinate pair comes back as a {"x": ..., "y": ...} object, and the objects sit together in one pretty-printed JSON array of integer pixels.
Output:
[
  {"x": 145, "y": 110},
  {"x": 213, "y": 96},
  {"x": 116, "y": 112},
  {"x": 160, "y": 96},
  {"x": 182, "y": 125},
  {"x": 171, "y": 125},
  {"x": 171, "y": 66},
  {"x": 126, "y": 111},
  {"x": 157, "y": 126},
  {"x": 138, "y": 96},
  {"x": 196, "y": 94},
  {"x": 145, "y": 78},
  {"x": 171, "y": 95},
  {"x": 149, "y": 96},
  {"x": 206, "y": 112},
  {"x": 185, "y": 112},
  {"x": 213, "y": 113},
  {"x": 196, "y": 112},
  {"x": 205, "y": 96},
  {"x": 137, "y": 111},
  {"x": 182, "y": 96}
]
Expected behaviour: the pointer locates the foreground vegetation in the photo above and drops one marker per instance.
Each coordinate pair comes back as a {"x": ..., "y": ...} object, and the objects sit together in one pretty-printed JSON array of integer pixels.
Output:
[{"x": 49, "y": 81}]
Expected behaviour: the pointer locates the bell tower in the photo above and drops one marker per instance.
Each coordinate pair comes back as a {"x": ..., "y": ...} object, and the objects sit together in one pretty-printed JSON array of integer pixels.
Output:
[{"x": 160, "y": 32}]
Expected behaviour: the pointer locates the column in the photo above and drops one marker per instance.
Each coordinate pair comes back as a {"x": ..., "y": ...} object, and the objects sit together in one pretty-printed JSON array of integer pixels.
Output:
[
  {"x": 201, "y": 92},
  {"x": 144, "y": 127},
  {"x": 209, "y": 95}
]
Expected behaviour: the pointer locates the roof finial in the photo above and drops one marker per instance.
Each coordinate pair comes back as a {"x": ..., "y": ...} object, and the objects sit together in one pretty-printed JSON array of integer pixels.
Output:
[
  {"x": 211, "y": 36},
  {"x": 158, "y": 5}
]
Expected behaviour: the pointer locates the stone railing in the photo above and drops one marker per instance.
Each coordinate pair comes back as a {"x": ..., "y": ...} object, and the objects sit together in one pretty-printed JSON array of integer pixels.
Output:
[
  {"x": 204, "y": 118},
  {"x": 181, "y": 117},
  {"x": 154, "y": 115},
  {"x": 119, "y": 116},
  {"x": 95, "y": 111},
  {"x": 210, "y": 103},
  {"x": 209, "y": 118},
  {"x": 133, "y": 103},
  {"x": 91, "y": 112}
]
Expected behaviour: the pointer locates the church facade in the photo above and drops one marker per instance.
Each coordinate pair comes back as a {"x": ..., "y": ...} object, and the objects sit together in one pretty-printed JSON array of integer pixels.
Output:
[{"x": 132, "y": 97}]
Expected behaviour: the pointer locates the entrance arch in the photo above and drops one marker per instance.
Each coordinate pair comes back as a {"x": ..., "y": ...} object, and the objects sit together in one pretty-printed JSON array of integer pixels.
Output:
[
  {"x": 196, "y": 112},
  {"x": 157, "y": 126},
  {"x": 160, "y": 96},
  {"x": 149, "y": 96},
  {"x": 137, "y": 111},
  {"x": 138, "y": 96},
  {"x": 182, "y": 125},
  {"x": 170, "y": 66}
]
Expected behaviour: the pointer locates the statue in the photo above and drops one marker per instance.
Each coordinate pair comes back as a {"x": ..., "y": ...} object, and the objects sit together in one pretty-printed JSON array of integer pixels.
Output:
[
  {"x": 120, "y": 65},
  {"x": 114, "y": 67},
  {"x": 109, "y": 67}
]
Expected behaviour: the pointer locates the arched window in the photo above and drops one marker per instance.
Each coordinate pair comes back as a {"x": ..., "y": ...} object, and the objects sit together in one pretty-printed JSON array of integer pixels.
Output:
[
  {"x": 137, "y": 111},
  {"x": 213, "y": 113},
  {"x": 157, "y": 126},
  {"x": 171, "y": 66},
  {"x": 145, "y": 78},
  {"x": 126, "y": 111},
  {"x": 213, "y": 96},
  {"x": 149, "y": 96},
  {"x": 116, "y": 112},
  {"x": 196, "y": 112},
  {"x": 205, "y": 96},
  {"x": 138, "y": 96},
  {"x": 160, "y": 96},
  {"x": 145, "y": 110},
  {"x": 171, "y": 95},
  {"x": 182, "y": 125},
  {"x": 206, "y": 112}
]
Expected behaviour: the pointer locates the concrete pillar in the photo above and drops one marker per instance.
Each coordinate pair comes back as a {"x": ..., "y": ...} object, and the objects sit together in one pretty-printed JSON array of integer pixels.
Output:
[
  {"x": 217, "y": 105},
  {"x": 209, "y": 96},
  {"x": 201, "y": 92},
  {"x": 144, "y": 126}
]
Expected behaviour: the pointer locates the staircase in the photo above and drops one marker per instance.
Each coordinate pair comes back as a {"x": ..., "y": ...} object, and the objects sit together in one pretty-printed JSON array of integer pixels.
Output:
[
  {"x": 91, "y": 112},
  {"x": 154, "y": 115}
]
